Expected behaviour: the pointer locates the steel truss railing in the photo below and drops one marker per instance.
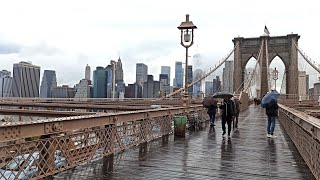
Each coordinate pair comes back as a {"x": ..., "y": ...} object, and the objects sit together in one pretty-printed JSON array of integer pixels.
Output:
[
  {"x": 304, "y": 131},
  {"x": 50, "y": 146}
]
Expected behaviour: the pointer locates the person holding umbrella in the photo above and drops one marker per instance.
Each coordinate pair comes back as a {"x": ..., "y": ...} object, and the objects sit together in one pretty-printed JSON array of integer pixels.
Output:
[
  {"x": 272, "y": 113},
  {"x": 228, "y": 110},
  {"x": 269, "y": 101}
]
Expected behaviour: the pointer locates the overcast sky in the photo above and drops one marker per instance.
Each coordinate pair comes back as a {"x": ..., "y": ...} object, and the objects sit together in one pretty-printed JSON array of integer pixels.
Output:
[{"x": 65, "y": 35}]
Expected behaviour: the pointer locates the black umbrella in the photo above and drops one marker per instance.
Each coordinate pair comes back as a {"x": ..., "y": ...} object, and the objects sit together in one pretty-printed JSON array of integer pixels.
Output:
[{"x": 222, "y": 95}]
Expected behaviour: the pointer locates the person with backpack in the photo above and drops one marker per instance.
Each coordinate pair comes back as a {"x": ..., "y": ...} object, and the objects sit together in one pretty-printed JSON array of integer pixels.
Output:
[{"x": 228, "y": 111}]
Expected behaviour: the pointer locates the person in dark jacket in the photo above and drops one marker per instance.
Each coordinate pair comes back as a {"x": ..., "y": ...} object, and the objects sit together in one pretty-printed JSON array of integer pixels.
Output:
[
  {"x": 237, "y": 112},
  {"x": 272, "y": 113},
  {"x": 227, "y": 108},
  {"x": 212, "y": 109}
]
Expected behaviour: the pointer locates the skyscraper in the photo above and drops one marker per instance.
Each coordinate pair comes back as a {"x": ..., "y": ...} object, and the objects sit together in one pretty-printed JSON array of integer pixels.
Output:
[
  {"x": 83, "y": 89},
  {"x": 108, "y": 75},
  {"x": 227, "y": 77},
  {"x": 198, "y": 73},
  {"x": 99, "y": 82},
  {"x": 87, "y": 74},
  {"x": 166, "y": 70},
  {"x": 208, "y": 88},
  {"x": 49, "y": 81},
  {"x": 302, "y": 78},
  {"x": 26, "y": 79},
  {"x": 151, "y": 88},
  {"x": 141, "y": 73},
  {"x": 5, "y": 84},
  {"x": 178, "y": 74},
  {"x": 119, "y": 71},
  {"x": 163, "y": 78}
]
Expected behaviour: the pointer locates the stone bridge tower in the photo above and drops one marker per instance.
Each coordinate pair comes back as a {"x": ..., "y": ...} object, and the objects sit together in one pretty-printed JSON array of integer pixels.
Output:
[{"x": 281, "y": 46}]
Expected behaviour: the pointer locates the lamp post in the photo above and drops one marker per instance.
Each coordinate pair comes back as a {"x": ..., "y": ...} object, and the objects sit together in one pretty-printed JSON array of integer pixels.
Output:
[
  {"x": 186, "y": 29},
  {"x": 275, "y": 73}
]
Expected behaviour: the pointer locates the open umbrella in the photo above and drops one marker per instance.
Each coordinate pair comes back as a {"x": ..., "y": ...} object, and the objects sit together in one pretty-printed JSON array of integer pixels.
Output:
[
  {"x": 270, "y": 99},
  {"x": 207, "y": 101},
  {"x": 222, "y": 95}
]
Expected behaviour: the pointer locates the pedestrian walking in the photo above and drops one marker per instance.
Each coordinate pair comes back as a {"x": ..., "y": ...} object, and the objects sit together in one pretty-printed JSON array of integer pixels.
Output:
[
  {"x": 237, "y": 112},
  {"x": 228, "y": 109},
  {"x": 272, "y": 113},
  {"x": 212, "y": 109}
]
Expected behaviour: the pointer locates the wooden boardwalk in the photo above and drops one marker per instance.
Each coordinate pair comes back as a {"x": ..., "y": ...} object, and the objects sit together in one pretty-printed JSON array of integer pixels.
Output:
[{"x": 205, "y": 154}]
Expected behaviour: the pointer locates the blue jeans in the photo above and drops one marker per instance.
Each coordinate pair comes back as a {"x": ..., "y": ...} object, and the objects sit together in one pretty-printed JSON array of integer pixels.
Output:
[
  {"x": 212, "y": 118},
  {"x": 271, "y": 124}
]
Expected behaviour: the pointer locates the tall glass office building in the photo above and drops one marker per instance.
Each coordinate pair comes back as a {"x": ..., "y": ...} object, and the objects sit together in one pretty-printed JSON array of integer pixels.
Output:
[
  {"x": 49, "y": 81},
  {"x": 178, "y": 74},
  {"x": 25, "y": 80},
  {"x": 99, "y": 83}
]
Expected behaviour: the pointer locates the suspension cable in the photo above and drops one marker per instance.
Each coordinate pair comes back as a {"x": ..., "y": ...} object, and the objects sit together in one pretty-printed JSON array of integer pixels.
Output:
[
  {"x": 306, "y": 58},
  {"x": 203, "y": 77}
]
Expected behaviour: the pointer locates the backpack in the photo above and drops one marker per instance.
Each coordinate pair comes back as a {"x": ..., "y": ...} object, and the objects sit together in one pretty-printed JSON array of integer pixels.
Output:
[{"x": 233, "y": 108}]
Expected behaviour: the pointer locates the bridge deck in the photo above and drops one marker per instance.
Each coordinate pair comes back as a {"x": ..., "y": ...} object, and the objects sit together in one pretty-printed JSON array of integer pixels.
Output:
[{"x": 249, "y": 154}]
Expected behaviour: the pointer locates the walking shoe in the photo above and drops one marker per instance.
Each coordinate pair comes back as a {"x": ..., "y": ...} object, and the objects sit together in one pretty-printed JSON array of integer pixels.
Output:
[
  {"x": 269, "y": 135},
  {"x": 273, "y": 136},
  {"x": 223, "y": 133}
]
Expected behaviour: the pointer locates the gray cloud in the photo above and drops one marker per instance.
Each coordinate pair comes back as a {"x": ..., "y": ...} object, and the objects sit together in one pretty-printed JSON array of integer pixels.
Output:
[
  {"x": 40, "y": 49},
  {"x": 9, "y": 48}
]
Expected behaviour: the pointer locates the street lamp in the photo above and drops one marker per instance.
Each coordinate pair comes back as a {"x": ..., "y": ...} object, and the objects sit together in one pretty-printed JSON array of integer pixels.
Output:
[
  {"x": 186, "y": 29},
  {"x": 275, "y": 73}
]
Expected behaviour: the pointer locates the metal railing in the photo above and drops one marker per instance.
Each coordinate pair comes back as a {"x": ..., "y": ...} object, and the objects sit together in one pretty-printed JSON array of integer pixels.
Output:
[
  {"x": 304, "y": 131},
  {"x": 46, "y": 147}
]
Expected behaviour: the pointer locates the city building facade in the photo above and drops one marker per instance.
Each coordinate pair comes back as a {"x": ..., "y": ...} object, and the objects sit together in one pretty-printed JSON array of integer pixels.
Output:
[
  {"x": 25, "y": 80},
  {"x": 227, "y": 77},
  {"x": 49, "y": 81},
  {"x": 166, "y": 70},
  {"x": 178, "y": 79},
  {"x": 99, "y": 82},
  {"x": 141, "y": 73}
]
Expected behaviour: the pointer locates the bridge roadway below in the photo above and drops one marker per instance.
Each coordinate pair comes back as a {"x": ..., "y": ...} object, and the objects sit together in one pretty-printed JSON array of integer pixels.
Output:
[{"x": 205, "y": 154}]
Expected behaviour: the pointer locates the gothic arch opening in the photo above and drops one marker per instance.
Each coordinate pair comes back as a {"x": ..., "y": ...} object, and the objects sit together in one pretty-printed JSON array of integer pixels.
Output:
[
  {"x": 251, "y": 71},
  {"x": 277, "y": 71}
]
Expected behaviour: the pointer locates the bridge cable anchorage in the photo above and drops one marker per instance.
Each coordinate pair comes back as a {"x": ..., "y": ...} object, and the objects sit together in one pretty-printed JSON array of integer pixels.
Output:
[
  {"x": 248, "y": 81},
  {"x": 203, "y": 77}
]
